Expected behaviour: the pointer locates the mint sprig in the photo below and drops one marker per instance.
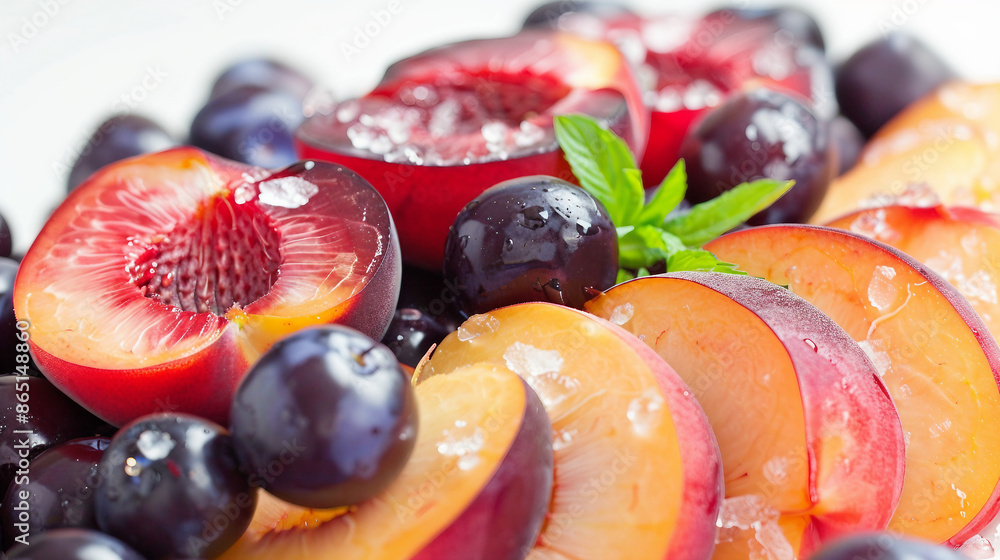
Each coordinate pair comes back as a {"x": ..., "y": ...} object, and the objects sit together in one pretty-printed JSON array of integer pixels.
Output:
[{"x": 605, "y": 167}]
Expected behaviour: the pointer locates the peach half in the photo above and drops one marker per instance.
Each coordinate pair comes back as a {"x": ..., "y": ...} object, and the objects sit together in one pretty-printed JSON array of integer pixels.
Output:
[{"x": 160, "y": 279}]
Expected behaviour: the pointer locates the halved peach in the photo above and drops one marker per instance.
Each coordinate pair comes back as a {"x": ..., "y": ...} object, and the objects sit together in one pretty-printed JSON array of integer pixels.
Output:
[
  {"x": 161, "y": 278},
  {"x": 477, "y": 485},
  {"x": 444, "y": 125},
  {"x": 811, "y": 443},
  {"x": 637, "y": 469},
  {"x": 960, "y": 244},
  {"x": 935, "y": 354}
]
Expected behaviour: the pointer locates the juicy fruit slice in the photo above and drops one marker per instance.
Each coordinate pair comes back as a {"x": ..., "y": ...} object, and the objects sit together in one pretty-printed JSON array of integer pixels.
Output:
[
  {"x": 444, "y": 125},
  {"x": 637, "y": 466},
  {"x": 805, "y": 425},
  {"x": 935, "y": 354},
  {"x": 158, "y": 281},
  {"x": 943, "y": 144},
  {"x": 960, "y": 244},
  {"x": 477, "y": 486}
]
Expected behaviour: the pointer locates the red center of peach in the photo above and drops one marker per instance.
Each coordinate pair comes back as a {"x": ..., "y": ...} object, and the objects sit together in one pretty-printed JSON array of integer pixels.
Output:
[{"x": 226, "y": 255}]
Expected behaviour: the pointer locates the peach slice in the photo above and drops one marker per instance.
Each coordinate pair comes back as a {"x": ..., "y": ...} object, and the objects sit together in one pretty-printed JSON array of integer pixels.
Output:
[
  {"x": 945, "y": 142},
  {"x": 637, "y": 469},
  {"x": 812, "y": 447},
  {"x": 960, "y": 244},
  {"x": 935, "y": 354},
  {"x": 477, "y": 485}
]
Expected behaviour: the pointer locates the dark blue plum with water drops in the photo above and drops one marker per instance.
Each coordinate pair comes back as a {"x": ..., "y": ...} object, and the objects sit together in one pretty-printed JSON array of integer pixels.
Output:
[
  {"x": 173, "y": 488},
  {"x": 326, "y": 418},
  {"x": 530, "y": 239},
  {"x": 761, "y": 134}
]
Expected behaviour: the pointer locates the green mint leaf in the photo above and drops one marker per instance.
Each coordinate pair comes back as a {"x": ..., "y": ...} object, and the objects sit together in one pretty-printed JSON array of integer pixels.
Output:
[
  {"x": 710, "y": 219},
  {"x": 670, "y": 193},
  {"x": 699, "y": 259},
  {"x": 603, "y": 164},
  {"x": 624, "y": 276},
  {"x": 644, "y": 246}
]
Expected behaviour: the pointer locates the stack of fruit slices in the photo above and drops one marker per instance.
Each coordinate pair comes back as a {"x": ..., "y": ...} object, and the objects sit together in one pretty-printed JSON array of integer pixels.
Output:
[{"x": 776, "y": 389}]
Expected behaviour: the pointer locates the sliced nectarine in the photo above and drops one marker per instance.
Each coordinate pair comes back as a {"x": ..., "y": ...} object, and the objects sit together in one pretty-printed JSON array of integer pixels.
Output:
[
  {"x": 936, "y": 356},
  {"x": 811, "y": 444},
  {"x": 960, "y": 244},
  {"x": 477, "y": 485},
  {"x": 637, "y": 467}
]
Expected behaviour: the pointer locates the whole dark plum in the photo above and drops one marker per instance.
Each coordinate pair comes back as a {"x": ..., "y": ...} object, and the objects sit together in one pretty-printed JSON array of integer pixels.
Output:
[{"x": 535, "y": 238}]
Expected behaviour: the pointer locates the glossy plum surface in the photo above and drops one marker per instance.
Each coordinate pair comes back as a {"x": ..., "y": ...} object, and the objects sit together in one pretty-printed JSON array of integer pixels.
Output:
[
  {"x": 250, "y": 124},
  {"x": 428, "y": 292},
  {"x": 6, "y": 242},
  {"x": 761, "y": 134},
  {"x": 885, "y": 76},
  {"x": 265, "y": 73},
  {"x": 536, "y": 238},
  {"x": 74, "y": 544},
  {"x": 119, "y": 137},
  {"x": 52, "y": 418},
  {"x": 8, "y": 322},
  {"x": 885, "y": 546},
  {"x": 847, "y": 141},
  {"x": 333, "y": 409},
  {"x": 173, "y": 488},
  {"x": 411, "y": 334},
  {"x": 58, "y": 493}
]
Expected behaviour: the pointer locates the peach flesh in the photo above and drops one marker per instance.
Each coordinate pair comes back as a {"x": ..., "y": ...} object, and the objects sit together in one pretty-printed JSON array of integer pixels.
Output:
[
  {"x": 123, "y": 336},
  {"x": 960, "y": 244},
  {"x": 637, "y": 466},
  {"x": 937, "y": 359},
  {"x": 477, "y": 485},
  {"x": 806, "y": 428}
]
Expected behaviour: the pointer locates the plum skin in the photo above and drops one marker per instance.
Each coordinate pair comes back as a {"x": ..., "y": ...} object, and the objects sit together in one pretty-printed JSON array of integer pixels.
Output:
[{"x": 339, "y": 402}]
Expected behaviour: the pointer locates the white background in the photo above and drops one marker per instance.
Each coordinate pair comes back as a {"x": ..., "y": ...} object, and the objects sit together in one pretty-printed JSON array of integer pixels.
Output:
[{"x": 60, "y": 79}]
